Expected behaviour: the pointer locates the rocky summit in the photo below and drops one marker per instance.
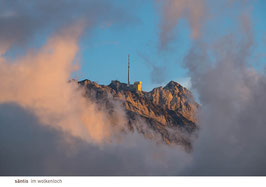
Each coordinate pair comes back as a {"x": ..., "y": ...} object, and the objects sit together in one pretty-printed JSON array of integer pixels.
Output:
[{"x": 166, "y": 114}]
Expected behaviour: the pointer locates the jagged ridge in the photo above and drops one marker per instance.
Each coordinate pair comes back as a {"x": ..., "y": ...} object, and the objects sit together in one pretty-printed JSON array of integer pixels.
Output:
[{"x": 169, "y": 111}]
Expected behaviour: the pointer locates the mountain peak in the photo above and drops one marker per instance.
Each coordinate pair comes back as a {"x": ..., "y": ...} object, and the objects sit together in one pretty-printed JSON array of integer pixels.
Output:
[
  {"x": 167, "y": 111},
  {"x": 172, "y": 85}
]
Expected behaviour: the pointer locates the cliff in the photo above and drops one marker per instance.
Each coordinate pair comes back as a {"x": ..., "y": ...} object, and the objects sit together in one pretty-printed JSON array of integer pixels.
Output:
[{"x": 169, "y": 112}]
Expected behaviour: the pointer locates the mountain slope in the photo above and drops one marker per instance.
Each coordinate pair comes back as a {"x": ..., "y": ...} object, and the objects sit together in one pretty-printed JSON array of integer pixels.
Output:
[{"x": 166, "y": 114}]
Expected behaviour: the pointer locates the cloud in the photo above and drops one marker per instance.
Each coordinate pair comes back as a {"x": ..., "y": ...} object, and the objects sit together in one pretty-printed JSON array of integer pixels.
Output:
[
  {"x": 39, "y": 82},
  {"x": 47, "y": 126},
  {"x": 186, "y": 82},
  {"x": 22, "y": 21},
  {"x": 231, "y": 92},
  {"x": 32, "y": 148},
  {"x": 158, "y": 73},
  {"x": 201, "y": 15},
  {"x": 173, "y": 10},
  {"x": 232, "y": 118}
]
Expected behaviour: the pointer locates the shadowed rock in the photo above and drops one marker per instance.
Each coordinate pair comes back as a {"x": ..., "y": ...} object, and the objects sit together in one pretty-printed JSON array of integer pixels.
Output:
[{"x": 169, "y": 112}]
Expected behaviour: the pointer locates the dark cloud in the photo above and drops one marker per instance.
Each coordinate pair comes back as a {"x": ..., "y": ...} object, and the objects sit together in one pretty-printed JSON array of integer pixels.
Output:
[
  {"x": 232, "y": 137},
  {"x": 232, "y": 117},
  {"x": 30, "y": 148},
  {"x": 231, "y": 92},
  {"x": 21, "y": 21}
]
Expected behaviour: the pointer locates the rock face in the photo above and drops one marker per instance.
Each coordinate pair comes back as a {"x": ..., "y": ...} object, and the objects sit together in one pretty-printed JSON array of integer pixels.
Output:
[{"x": 167, "y": 114}]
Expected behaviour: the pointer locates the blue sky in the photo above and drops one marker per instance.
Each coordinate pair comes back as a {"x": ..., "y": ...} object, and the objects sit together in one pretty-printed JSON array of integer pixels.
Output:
[{"x": 104, "y": 50}]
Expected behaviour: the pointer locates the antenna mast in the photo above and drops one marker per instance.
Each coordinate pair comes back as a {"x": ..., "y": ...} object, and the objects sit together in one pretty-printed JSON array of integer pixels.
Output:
[{"x": 128, "y": 70}]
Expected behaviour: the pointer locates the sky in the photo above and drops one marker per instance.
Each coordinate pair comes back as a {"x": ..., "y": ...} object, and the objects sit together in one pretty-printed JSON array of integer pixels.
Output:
[
  {"x": 104, "y": 50},
  {"x": 104, "y": 54},
  {"x": 215, "y": 48}
]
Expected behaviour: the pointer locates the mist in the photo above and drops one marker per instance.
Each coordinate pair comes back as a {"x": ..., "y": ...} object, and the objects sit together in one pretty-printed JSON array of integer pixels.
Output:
[
  {"x": 232, "y": 117},
  {"x": 48, "y": 127},
  {"x": 32, "y": 148},
  {"x": 231, "y": 93},
  {"x": 173, "y": 10},
  {"x": 23, "y": 21},
  {"x": 158, "y": 73}
]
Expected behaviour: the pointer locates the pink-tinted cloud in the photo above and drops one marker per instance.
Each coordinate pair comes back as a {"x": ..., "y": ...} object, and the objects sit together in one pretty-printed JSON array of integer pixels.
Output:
[{"x": 39, "y": 82}]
